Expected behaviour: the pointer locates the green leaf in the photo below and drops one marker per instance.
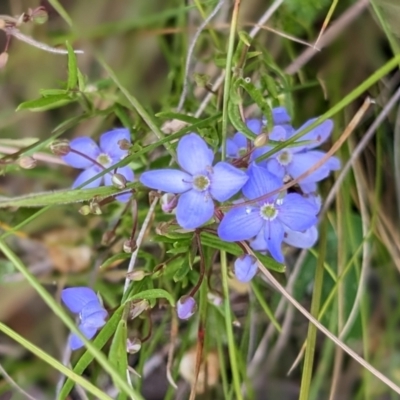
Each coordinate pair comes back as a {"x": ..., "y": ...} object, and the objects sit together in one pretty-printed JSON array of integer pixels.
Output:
[
  {"x": 215, "y": 242},
  {"x": 65, "y": 196},
  {"x": 152, "y": 294},
  {"x": 61, "y": 10},
  {"x": 72, "y": 68},
  {"x": 45, "y": 103},
  {"x": 117, "y": 354},
  {"x": 236, "y": 120}
]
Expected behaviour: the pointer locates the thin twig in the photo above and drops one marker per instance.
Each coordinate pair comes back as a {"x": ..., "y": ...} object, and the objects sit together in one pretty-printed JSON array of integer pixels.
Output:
[
  {"x": 191, "y": 50},
  {"x": 15, "y": 384}
]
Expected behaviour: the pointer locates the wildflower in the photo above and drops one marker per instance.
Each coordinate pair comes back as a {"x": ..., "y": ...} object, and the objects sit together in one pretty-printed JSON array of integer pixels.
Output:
[
  {"x": 199, "y": 182},
  {"x": 269, "y": 216},
  {"x": 186, "y": 307},
  {"x": 245, "y": 268},
  {"x": 87, "y": 155},
  {"x": 92, "y": 315}
]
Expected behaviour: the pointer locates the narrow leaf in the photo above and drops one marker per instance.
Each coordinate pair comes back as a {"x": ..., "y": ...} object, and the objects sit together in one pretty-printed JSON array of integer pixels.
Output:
[{"x": 72, "y": 68}]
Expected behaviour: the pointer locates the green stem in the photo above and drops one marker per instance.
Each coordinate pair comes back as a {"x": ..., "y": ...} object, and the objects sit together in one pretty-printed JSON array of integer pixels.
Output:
[
  {"x": 312, "y": 329},
  {"x": 228, "y": 326}
]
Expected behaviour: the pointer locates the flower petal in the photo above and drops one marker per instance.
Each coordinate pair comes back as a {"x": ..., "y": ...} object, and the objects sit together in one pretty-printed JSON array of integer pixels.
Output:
[
  {"x": 280, "y": 116},
  {"x": 318, "y": 135},
  {"x": 240, "y": 223},
  {"x": 245, "y": 268},
  {"x": 302, "y": 162},
  {"x": 259, "y": 243},
  {"x": 86, "y": 146},
  {"x": 194, "y": 156},
  {"x": 273, "y": 234},
  {"x": 255, "y": 125},
  {"x": 186, "y": 307},
  {"x": 297, "y": 213},
  {"x": 232, "y": 149},
  {"x": 109, "y": 142},
  {"x": 93, "y": 314},
  {"x": 85, "y": 176},
  {"x": 260, "y": 182},
  {"x": 276, "y": 168},
  {"x": 76, "y": 298},
  {"x": 226, "y": 181},
  {"x": 88, "y": 331},
  {"x": 301, "y": 240},
  {"x": 194, "y": 209},
  {"x": 167, "y": 180},
  {"x": 278, "y": 134}
]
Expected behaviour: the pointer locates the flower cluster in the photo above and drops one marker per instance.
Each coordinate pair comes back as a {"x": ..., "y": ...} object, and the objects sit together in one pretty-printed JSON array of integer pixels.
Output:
[{"x": 92, "y": 315}]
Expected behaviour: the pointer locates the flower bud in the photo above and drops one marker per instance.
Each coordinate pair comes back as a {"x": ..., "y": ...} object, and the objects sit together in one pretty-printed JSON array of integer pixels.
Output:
[
  {"x": 124, "y": 144},
  {"x": 84, "y": 210},
  {"x": 186, "y": 307},
  {"x": 40, "y": 16},
  {"x": 129, "y": 246},
  {"x": 245, "y": 268},
  {"x": 95, "y": 208},
  {"x": 119, "y": 181},
  {"x": 168, "y": 202},
  {"x": 137, "y": 308},
  {"x": 60, "y": 147},
  {"x": 136, "y": 275},
  {"x": 260, "y": 140},
  {"x": 3, "y": 59},
  {"x": 27, "y": 162},
  {"x": 133, "y": 345}
]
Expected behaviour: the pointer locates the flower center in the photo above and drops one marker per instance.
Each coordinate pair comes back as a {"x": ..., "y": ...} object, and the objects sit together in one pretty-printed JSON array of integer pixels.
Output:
[
  {"x": 268, "y": 211},
  {"x": 242, "y": 152},
  {"x": 285, "y": 157},
  {"x": 201, "y": 183},
  {"x": 104, "y": 159}
]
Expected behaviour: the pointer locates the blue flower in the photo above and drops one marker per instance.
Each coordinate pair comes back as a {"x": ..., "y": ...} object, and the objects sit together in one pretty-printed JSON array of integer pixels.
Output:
[
  {"x": 186, "y": 307},
  {"x": 291, "y": 162},
  {"x": 199, "y": 182},
  {"x": 267, "y": 217},
  {"x": 92, "y": 315},
  {"x": 93, "y": 158},
  {"x": 245, "y": 268}
]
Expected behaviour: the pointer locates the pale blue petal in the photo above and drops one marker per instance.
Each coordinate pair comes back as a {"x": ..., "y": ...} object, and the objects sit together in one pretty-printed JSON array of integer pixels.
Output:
[
  {"x": 186, "y": 307},
  {"x": 124, "y": 198},
  {"x": 301, "y": 240},
  {"x": 93, "y": 314},
  {"x": 274, "y": 233},
  {"x": 226, "y": 181},
  {"x": 278, "y": 134},
  {"x": 302, "y": 162},
  {"x": 85, "y": 176},
  {"x": 232, "y": 149},
  {"x": 259, "y": 243},
  {"x": 86, "y": 146},
  {"x": 333, "y": 163},
  {"x": 245, "y": 268},
  {"x": 318, "y": 135},
  {"x": 240, "y": 140},
  {"x": 76, "y": 298},
  {"x": 75, "y": 343},
  {"x": 280, "y": 116},
  {"x": 308, "y": 188},
  {"x": 276, "y": 168},
  {"x": 297, "y": 213},
  {"x": 194, "y": 156},
  {"x": 167, "y": 180},
  {"x": 260, "y": 182},
  {"x": 194, "y": 209},
  {"x": 240, "y": 223},
  {"x": 255, "y": 125},
  {"x": 109, "y": 142}
]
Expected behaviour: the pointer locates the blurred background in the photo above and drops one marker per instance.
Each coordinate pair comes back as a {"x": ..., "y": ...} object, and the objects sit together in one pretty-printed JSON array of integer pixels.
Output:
[{"x": 145, "y": 43}]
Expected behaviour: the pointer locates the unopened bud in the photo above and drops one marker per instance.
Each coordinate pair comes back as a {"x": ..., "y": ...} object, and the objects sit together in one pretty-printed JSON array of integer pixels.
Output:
[
  {"x": 133, "y": 345},
  {"x": 3, "y": 59},
  {"x": 214, "y": 298},
  {"x": 119, "y": 181},
  {"x": 129, "y": 246},
  {"x": 27, "y": 162},
  {"x": 168, "y": 202},
  {"x": 260, "y": 140},
  {"x": 137, "y": 308},
  {"x": 60, "y": 147},
  {"x": 186, "y": 307},
  {"x": 107, "y": 238},
  {"x": 84, "y": 210},
  {"x": 95, "y": 208},
  {"x": 124, "y": 144},
  {"x": 136, "y": 275},
  {"x": 40, "y": 16},
  {"x": 245, "y": 268}
]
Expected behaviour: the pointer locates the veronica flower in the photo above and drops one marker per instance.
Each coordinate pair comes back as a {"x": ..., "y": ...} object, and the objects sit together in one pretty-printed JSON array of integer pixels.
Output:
[
  {"x": 186, "y": 307},
  {"x": 198, "y": 183},
  {"x": 96, "y": 158},
  {"x": 245, "y": 268},
  {"x": 267, "y": 217},
  {"x": 92, "y": 315}
]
